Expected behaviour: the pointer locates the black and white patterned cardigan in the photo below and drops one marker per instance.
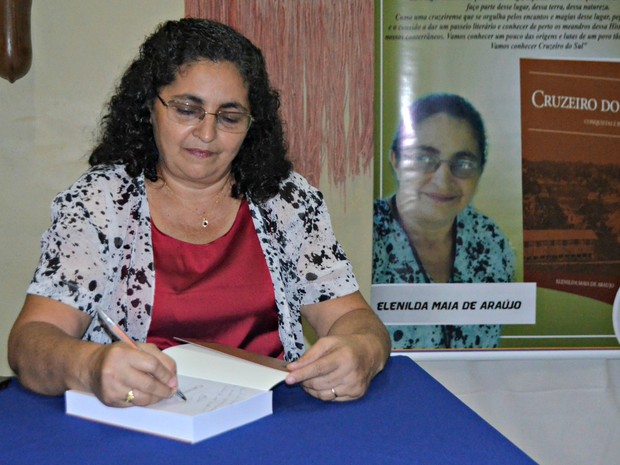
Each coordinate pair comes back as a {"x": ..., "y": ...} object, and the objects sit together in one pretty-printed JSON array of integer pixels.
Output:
[{"x": 98, "y": 253}]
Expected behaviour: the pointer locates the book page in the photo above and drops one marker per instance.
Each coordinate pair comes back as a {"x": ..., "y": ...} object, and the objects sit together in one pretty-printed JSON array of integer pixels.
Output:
[
  {"x": 236, "y": 352},
  {"x": 204, "y": 396},
  {"x": 201, "y": 362}
]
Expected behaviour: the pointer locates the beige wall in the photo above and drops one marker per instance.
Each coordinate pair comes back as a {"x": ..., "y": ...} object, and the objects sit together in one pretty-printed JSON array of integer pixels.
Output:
[{"x": 47, "y": 120}]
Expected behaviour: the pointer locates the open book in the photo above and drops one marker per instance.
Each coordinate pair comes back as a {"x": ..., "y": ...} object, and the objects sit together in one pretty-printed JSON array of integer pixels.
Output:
[{"x": 225, "y": 388}]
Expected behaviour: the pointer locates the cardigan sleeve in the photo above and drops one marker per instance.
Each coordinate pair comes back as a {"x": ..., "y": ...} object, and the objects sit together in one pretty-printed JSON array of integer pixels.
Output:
[
  {"x": 71, "y": 269},
  {"x": 97, "y": 252},
  {"x": 318, "y": 268}
]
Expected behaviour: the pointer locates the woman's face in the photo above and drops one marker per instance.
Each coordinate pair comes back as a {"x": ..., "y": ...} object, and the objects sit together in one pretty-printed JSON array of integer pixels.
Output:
[
  {"x": 199, "y": 154},
  {"x": 432, "y": 200}
]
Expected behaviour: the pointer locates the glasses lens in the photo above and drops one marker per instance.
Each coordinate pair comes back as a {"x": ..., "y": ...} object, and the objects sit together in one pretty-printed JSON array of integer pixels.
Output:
[
  {"x": 233, "y": 121},
  {"x": 425, "y": 163},
  {"x": 464, "y": 168},
  {"x": 185, "y": 113}
]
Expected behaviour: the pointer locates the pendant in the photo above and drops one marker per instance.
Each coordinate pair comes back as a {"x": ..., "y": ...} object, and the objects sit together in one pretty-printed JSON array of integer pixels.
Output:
[{"x": 205, "y": 222}]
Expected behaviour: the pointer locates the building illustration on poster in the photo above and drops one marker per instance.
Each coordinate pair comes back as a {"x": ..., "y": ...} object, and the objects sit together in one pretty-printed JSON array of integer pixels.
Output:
[{"x": 562, "y": 225}]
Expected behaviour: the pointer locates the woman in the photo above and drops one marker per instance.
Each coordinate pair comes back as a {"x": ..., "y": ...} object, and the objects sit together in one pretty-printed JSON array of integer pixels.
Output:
[
  {"x": 190, "y": 223},
  {"x": 428, "y": 232}
]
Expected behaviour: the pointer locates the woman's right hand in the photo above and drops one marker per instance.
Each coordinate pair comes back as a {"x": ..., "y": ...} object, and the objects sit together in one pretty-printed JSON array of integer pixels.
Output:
[
  {"x": 49, "y": 357},
  {"x": 116, "y": 369}
]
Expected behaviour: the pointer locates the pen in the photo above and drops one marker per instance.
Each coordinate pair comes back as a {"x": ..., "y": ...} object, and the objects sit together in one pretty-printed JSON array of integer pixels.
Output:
[{"x": 121, "y": 336}]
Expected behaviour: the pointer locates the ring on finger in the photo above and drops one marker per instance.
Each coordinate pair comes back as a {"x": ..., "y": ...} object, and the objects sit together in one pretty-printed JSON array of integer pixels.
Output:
[
  {"x": 334, "y": 393},
  {"x": 130, "y": 396}
]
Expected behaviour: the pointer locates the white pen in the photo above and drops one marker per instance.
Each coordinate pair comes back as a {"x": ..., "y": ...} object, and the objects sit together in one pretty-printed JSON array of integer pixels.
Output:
[{"x": 121, "y": 336}]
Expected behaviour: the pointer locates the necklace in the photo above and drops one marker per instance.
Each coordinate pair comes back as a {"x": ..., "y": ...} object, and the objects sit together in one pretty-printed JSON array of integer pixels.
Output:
[{"x": 204, "y": 222}]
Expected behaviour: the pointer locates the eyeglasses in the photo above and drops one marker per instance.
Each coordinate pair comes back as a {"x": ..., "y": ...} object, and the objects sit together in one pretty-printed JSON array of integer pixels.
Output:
[
  {"x": 191, "y": 115},
  {"x": 461, "y": 166}
]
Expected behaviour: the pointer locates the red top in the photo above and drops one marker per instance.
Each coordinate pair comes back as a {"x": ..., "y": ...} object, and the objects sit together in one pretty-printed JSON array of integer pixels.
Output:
[{"x": 217, "y": 292}]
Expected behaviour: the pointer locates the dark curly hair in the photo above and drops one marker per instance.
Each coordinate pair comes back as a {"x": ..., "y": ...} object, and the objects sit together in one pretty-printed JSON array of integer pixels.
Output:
[
  {"x": 126, "y": 134},
  {"x": 451, "y": 104}
]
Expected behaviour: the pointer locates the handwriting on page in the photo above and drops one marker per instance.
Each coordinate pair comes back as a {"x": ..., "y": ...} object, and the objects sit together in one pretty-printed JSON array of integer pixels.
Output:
[{"x": 204, "y": 396}]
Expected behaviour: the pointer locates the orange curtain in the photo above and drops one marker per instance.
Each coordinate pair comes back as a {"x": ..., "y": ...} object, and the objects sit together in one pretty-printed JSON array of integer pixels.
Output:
[{"x": 319, "y": 55}]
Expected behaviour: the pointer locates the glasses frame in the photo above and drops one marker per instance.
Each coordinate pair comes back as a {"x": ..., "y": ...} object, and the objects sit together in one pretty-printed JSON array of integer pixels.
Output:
[
  {"x": 452, "y": 164},
  {"x": 170, "y": 104}
]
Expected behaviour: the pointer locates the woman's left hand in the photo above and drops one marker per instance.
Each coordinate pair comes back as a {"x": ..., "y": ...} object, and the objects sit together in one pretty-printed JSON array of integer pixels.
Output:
[
  {"x": 335, "y": 368},
  {"x": 354, "y": 348}
]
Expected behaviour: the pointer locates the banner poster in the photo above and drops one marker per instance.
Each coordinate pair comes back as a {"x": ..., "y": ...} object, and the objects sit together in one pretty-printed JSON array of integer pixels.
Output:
[{"x": 497, "y": 175}]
